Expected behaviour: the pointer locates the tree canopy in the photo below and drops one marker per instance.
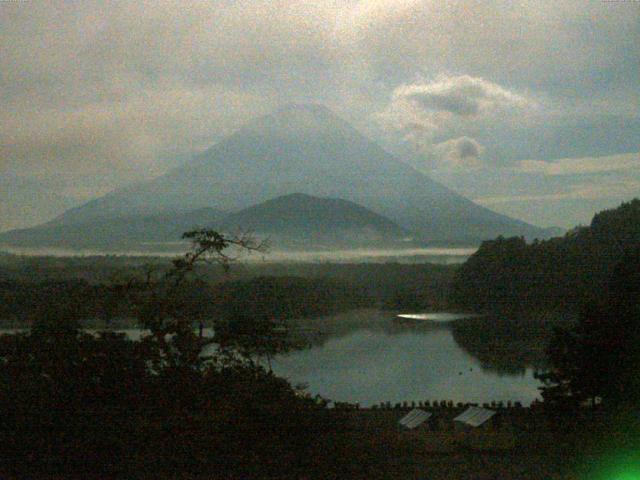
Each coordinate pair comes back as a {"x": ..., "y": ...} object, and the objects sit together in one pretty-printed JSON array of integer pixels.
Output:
[
  {"x": 101, "y": 403},
  {"x": 600, "y": 356},
  {"x": 557, "y": 274}
]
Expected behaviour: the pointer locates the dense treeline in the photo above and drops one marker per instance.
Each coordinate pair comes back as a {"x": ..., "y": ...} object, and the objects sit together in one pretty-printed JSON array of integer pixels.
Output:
[
  {"x": 558, "y": 274},
  {"x": 21, "y": 302},
  {"x": 286, "y": 297},
  {"x": 594, "y": 363},
  {"x": 599, "y": 356},
  {"x": 108, "y": 304},
  {"x": 297, "y": 290}
]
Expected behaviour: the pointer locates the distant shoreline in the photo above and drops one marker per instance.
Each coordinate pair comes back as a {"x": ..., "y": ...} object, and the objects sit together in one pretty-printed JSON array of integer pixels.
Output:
[{"x": 453, "y": 254}]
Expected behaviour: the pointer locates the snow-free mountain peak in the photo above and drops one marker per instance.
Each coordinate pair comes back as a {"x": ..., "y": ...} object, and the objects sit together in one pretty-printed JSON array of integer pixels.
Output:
[{"x": 308, "y": 149}]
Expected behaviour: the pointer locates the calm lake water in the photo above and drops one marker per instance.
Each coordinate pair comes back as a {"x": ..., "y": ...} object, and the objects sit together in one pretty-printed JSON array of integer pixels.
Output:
[{"x": 370, "y": 356}]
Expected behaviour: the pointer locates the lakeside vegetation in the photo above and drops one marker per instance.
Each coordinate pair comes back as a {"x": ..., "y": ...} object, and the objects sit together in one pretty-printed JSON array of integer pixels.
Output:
[
  {"x": 561, "y": 274},
  {"x": 508, "y": 345},
  {"x": 28, "y": 285},
  {"x": 77, "y": 403}
]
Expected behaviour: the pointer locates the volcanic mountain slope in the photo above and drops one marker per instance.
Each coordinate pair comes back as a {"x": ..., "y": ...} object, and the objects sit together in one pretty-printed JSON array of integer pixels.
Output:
[
  {"x": 25, "y": 201},
  {"x": 307, "y": 149},
  {"x": 137, "y": 232}
]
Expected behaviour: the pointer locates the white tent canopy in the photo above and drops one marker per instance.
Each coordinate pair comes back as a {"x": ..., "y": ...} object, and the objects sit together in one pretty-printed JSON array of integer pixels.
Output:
[
  {"x": 475, "y": 416},
  {"x": 414, "y": 418}
]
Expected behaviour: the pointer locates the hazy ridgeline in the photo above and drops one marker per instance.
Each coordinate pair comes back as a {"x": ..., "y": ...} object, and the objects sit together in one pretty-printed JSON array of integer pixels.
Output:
[{"x": 506, "y": 274}]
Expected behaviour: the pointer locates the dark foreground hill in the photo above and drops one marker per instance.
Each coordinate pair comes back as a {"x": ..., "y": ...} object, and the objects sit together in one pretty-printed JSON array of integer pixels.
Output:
[
  {"x": 560, "y": 273},
  {"x": 307, "y": 149}
]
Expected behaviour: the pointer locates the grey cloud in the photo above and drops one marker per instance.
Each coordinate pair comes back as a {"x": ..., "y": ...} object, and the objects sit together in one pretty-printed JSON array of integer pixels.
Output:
[
  {"x": 458, "y": 153},
  {"x": 437, "y": 117},
  {"x": 467, "y": 147},
  {"x": 454, "y": 104},
  {"x": 107, "y": 89},
  {"x": 460, "y": 95},
  {"x": 586, "y": 165}
]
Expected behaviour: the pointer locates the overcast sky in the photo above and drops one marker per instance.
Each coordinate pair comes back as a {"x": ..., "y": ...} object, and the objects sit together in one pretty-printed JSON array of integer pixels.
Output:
[{"x": 529, "y": 108}]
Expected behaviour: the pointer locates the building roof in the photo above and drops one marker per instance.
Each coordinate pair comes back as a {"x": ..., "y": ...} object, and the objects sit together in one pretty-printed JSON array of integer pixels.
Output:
[
  {"x": 475, "y": 416},
  {"x": 414, "y": 418}
]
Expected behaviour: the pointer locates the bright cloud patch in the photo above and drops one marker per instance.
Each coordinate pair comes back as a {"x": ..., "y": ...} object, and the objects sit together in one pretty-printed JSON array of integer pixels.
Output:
[
  {"x": 462, "y": 95},
  {"x": 448, "y": 107}
]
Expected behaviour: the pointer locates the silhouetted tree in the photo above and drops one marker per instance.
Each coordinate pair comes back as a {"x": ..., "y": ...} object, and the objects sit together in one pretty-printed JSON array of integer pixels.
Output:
[
  {"x": 160, "y": 304},
  {"x": 600, "y": 356},
  {"x": 75, "y": 402}
]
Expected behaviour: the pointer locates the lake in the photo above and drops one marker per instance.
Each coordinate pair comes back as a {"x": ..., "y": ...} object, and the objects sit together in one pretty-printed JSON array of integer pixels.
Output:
[{"x": 368, "y": 356}]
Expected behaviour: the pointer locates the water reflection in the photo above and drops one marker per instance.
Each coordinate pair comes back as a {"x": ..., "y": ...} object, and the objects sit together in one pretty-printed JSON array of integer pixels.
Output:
[
  {"x": 368, "y": 356},
  {"x": 436, "y": 317},
  {"x": 504, "y": 345}
]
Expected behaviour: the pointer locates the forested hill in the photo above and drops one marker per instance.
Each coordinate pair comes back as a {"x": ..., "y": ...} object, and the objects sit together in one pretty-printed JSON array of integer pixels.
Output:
[
  {"x": 561, "y": 273},
  {"x": 310, "y": 222}
]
